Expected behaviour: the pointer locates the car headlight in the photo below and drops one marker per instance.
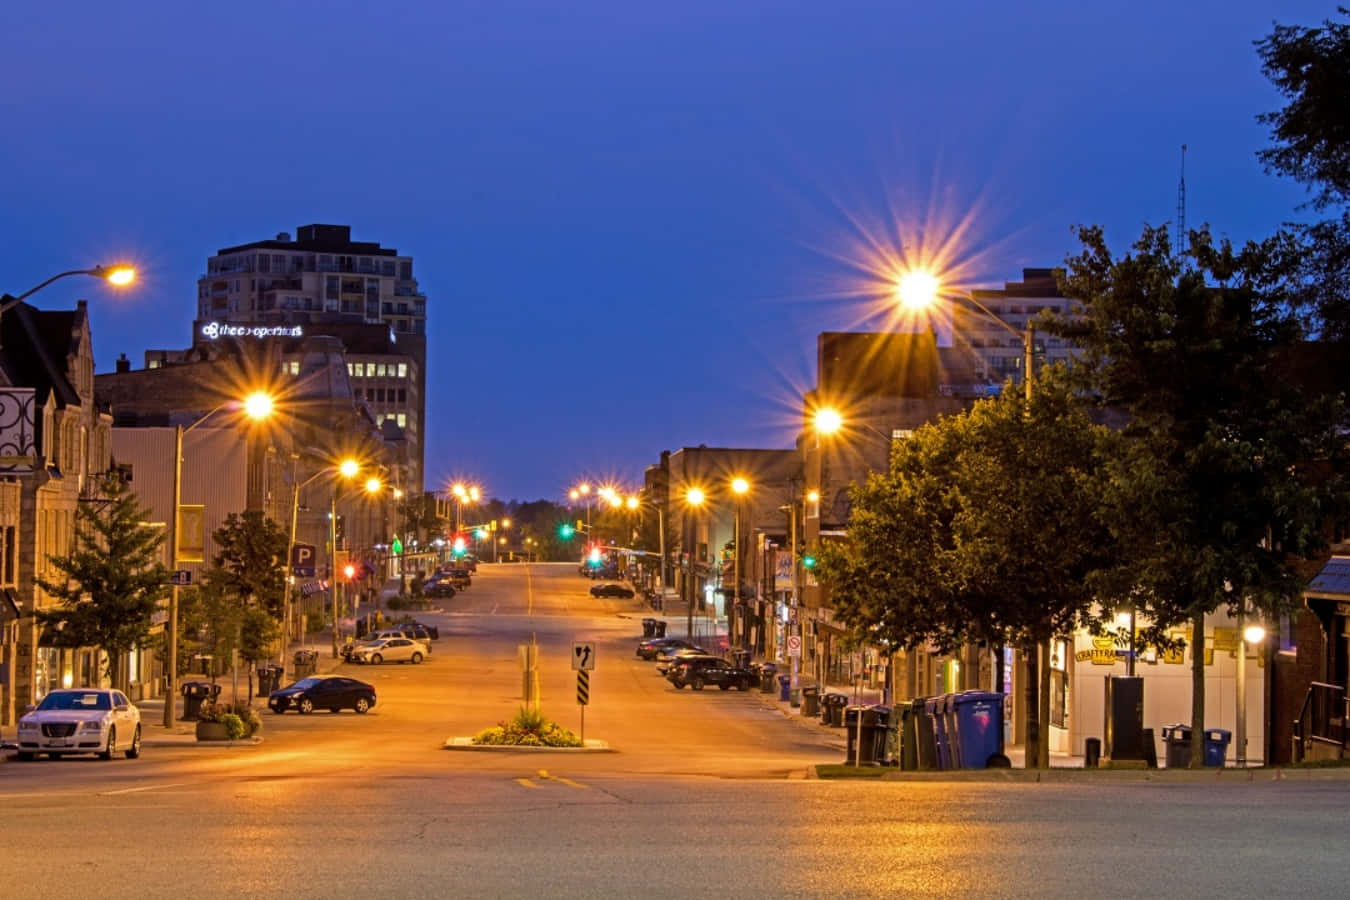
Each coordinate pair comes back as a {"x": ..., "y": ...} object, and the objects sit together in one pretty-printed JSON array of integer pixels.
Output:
[
  {"x": 26, "y": 725},
  {"x": 92, "y": 725}
]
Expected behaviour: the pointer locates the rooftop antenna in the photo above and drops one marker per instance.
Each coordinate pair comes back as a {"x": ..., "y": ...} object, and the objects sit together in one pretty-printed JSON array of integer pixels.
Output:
[{"x": 1181, "y": 206}]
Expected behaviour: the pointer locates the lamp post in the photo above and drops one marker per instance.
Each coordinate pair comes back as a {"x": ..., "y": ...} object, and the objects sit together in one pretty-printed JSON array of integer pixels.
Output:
[
  {"x": 739, "y": 488},
  {"x": 693, "y": 500},
  {"x": 256, "y": 406},
  {"x": 117, "y": 275}
]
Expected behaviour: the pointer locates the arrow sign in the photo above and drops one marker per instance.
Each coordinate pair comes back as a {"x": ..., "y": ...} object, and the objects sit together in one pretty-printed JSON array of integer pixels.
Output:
[{"x": 583, "y": 656}]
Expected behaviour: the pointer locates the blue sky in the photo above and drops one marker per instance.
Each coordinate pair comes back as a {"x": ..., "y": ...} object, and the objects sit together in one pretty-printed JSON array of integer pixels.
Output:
[{"x": 630, "y": 220}]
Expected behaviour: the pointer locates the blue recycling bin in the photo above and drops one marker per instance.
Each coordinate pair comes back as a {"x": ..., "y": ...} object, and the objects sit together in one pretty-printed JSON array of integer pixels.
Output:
[
  {"x": 1216, "y": 746},
  {"x": 933, "y": 709},
  {"x": 784, "y": 687},
  {"x": 979, "y": 729}
]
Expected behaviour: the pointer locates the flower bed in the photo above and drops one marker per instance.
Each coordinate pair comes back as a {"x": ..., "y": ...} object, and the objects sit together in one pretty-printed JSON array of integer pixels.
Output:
[{"x": 529, "y": 728}]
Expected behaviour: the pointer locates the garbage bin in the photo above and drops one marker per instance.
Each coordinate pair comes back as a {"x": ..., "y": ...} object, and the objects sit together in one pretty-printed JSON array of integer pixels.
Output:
[
  {"x": 306, "y": 662},
  {"x": 978, "y": 739},
  {"x": 648, "y": 628},
  {"x": 195, "y": 693},
  {"x": 810, "y": 700},
  {"x": 925, "y": 738},
  {"x": 767, "y": 673},
  {"x": 1177, "y": 739},
  {"x": 852, "y": 725},
  {"x": 739, "y": 658},
  {"x": 1092, "y": 753},
  {"x": 659, "y": 628},
  {"x": 784, "y": 687},
  {"x": 933, "y": 709},
  {"x": 1216, "y": 746},
  {"x": 265, "y": 680},
  {"x": 951, "y": 726},
  {"x": 877, "y": 726},
  {"x": 909, "y": 759},
  {"x": 834, "y": 704}
]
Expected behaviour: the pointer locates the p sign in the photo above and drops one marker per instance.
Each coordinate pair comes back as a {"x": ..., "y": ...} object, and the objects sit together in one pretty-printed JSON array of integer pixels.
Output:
[{"x": 302, "y": 560}]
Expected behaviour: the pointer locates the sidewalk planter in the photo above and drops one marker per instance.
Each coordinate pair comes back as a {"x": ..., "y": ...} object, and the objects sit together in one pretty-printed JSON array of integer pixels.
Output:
[{"x": 212, "y": 731}]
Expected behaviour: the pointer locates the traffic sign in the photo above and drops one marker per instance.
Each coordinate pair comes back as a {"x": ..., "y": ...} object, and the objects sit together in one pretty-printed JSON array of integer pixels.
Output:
[
  {"x": 583, "y": 656},
  {"x": 181, "y": 577},
  {"x": 302, "y": 560},
  {"x": 794, "y": 645},
  {"x": 583, "y": 688}
]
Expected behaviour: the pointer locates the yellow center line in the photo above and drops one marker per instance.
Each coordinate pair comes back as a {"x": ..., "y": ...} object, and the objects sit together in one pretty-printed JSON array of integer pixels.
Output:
[
  {"x": 525, "y": 782},
  {"x": 543, "y": 773}
]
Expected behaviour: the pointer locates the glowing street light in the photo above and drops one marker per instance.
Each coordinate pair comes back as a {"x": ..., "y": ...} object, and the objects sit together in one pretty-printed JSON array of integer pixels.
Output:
[
  {"x": 917, "y": 289},
  {"x": 349, "y": 468},
  {"x": 116, "y": 275},
  {"x": 813, "y": 496},
  {"x": 695, "y": 496},
  {"x": 373, "y": 485},
  {"x": 258, "y": 405},
  {"x": 632, "y": 502},
  {"x": 828, "y": 420}
]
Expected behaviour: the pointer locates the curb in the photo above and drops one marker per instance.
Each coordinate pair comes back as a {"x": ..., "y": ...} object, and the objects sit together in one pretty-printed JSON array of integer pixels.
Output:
[
  {"x": 164, "y": 742},
  {"x": 466, "y": 744}
]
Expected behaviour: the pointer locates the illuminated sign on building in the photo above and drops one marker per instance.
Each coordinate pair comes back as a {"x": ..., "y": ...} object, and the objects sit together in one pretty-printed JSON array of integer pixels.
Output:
[{"x": 214, "y": 330}]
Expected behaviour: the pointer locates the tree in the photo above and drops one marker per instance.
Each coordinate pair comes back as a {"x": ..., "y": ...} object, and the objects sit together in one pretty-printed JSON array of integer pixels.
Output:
[
  {"x": 1211, "y": 496},
  {"x": 1310, "y": 67},
  {"x": 985, "y": 529},
  {"x": 112, "y": 581},
  {"x": 251, "y": 561}
]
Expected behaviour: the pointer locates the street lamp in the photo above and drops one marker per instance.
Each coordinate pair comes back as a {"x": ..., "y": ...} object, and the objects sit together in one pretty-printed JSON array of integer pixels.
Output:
[
  {"x": 349, "y": 468},
  {"x": 739, "y": 487},
  {"x": 116, "y": 275},
  {"x": 694, "y": 499},
  {"x": 253, "y": 408}
]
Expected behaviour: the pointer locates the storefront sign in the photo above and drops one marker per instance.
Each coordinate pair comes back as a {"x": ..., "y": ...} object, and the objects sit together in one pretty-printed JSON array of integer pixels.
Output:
[{"x": 214, "y": 330}]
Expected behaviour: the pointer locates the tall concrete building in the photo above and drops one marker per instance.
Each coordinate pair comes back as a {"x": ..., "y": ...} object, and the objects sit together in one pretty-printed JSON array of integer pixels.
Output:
[
  {"x": 995, "y": 350},
  {"x": 324, "y": 283}
]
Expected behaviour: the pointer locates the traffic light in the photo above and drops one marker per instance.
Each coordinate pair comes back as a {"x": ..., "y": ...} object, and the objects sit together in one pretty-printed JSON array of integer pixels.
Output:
[
  {"x": 594, "y": 556},
  {"x": 349, "y": 572},
  {"x": 809, "y": 561},
  {"x": 565, "y": 531},
  {"x": 459, "y": 546},
  {"x": 481, "y": 534}
]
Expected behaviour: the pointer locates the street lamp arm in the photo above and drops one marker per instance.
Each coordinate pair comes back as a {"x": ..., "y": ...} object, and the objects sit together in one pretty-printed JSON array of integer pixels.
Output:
[
  {"x": 970, "y": 298},
  {"x": 11, "y": 302}
]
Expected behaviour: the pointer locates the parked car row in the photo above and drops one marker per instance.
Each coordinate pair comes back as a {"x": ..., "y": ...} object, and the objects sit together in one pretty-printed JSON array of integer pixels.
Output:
[
  {"x": 684, "y": 664},
  {"x": 447, "y": 582}
]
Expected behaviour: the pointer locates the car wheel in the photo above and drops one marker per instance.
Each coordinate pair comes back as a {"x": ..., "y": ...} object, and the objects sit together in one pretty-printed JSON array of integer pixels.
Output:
[
  {"x": 679, "y": 685},
  {"x": 135, "y": 749},
  {"x": 724, "y": 687},
  {"x": 24, "y": 757},
  {"x": 278, "y": 710},
  {"x": 362, "y": 705},
  {"x": 376, "y": 659},
  {"x": 306, "y": 706},
  {"x": 417, "y": 659},
  {"x": 109, "y": 750},
  {"x": 697, "y": 684},
  {"x": 333, "y": 709}
]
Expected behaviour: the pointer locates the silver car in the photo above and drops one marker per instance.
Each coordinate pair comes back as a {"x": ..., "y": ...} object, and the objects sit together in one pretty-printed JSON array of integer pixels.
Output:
[
  {"x": 81, "y": 720},
  {"x": 392, "y": 649}
]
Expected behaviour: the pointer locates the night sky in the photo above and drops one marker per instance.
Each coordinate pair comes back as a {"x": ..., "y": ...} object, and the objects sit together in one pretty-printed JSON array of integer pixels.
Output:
[{"x": 630, "y": 219}]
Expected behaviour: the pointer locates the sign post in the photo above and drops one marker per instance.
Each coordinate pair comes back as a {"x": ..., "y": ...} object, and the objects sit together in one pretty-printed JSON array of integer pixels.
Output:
[{"x": 583, "y": 662}]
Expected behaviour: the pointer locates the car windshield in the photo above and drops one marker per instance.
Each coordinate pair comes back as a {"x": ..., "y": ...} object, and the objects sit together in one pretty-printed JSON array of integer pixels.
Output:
[{"x": 76, "y": 700}]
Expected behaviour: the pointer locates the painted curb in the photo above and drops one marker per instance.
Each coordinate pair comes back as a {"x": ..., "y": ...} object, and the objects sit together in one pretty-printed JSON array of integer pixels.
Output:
[{"x": 464, "y": 743}]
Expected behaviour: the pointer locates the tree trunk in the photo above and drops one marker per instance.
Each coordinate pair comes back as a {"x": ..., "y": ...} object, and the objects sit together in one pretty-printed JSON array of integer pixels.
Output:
[
  {"x": 1043, "y": 713},
  {"x": 1198, "y": 691},
  {"x": 1031, "y": 703},
  {"x": 114, "y": 669}
]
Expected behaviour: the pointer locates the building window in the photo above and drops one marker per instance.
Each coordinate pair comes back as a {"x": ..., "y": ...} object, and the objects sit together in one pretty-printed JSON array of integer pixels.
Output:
[
  {"x": 370, "y": 395},
  {"x": 330, "y": 288},
  {"x": 402, "y": 420},
  {"x": 11, "y": 558},
  {"x": 405, "y": 269},
  {"x": 370, "y": 370},
  {"x": 351, "y": 370},
  {"x": 381, "y": 370},
  {"x": 402, "y": 370},
  {"x": 402, "y": 395},
  {"x": 152, "y": 364},
  {"x": 295, "y": 368}
]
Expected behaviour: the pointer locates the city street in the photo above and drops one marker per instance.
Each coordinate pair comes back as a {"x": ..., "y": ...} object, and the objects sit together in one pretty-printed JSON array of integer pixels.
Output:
[{"x": 703, "y": 793}]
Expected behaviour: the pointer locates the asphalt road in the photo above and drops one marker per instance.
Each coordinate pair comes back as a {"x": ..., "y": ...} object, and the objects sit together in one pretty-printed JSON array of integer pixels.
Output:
[{"x": 703, "y": 796}]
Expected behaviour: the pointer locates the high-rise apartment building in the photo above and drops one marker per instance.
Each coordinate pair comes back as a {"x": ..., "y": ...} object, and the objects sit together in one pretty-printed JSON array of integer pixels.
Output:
[
  {"x": 999, "y": 349},
  {"x": 324, "y": 283}
]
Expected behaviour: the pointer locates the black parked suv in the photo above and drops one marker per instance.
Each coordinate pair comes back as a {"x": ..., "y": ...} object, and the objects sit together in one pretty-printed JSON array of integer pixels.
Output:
[{"x": 701, "y": 670}]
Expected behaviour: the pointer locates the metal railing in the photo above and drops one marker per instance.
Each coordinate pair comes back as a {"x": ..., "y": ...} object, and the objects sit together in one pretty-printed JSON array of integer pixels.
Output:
[{"x": 1322, "y": 719}]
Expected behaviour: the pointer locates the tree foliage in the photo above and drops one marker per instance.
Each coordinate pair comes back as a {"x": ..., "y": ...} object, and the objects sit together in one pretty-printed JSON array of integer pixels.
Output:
[
  {"x": 112, "y": 581},
  {"x": 250, "y": 564}
]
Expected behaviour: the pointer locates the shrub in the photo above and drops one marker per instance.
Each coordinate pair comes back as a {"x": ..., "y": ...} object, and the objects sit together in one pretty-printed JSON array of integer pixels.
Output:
[
  {"x": 529, "y": 728},
  {"x": 234, "y": 726},
  {"x": 240, "y": 720},
  {"x": 399, "y": 602}
]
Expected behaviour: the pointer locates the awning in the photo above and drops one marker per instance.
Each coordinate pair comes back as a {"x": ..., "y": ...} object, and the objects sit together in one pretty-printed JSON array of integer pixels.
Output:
[{"x": 1332, "y": 582}]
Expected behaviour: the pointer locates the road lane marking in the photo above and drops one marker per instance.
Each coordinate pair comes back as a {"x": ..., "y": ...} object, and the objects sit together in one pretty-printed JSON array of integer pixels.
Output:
[
  {"x": 137, "y": 790},
  {"x": 543, "y": 773},
  {"x": 525, "y": 782}
]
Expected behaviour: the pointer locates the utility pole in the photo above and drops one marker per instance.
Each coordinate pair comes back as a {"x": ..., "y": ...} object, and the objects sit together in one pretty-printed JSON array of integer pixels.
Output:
[{"x": 171, "y": 660}]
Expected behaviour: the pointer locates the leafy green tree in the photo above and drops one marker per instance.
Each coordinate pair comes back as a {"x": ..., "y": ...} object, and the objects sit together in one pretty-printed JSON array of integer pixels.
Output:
[
  {"x": 112, "y": 581},
  {"x": 1212, "y": 495},
  {"x": 985, "y": 529},
  {"x": 251, "y": 560}
]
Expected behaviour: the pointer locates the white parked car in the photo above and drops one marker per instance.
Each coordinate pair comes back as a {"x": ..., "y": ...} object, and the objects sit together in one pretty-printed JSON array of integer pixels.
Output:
[
  {"x": 81, "y": 720},
  {"x": 391, "y": 649}
]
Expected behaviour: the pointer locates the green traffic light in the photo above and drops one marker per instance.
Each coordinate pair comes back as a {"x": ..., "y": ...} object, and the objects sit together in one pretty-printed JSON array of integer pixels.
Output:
[
  {"x": 809, "y": 562},
  {"x": 566, "y": 531}
]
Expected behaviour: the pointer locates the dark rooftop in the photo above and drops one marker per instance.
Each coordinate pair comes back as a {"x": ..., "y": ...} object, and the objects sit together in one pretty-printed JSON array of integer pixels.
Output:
[{"x": 318, "y": 239}]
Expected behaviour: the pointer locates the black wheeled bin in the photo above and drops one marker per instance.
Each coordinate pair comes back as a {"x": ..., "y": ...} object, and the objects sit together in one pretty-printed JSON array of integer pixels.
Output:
[
  {"x": 195, "y": 693},
  {"x": 925, "y": 738},
  {"x": 810, "y": 700},
  {"x": 306, "y": 663},
  {"x": 909, "y": 735},
  {"x": 834, "y": 704},
  {"x": 658, "y": 628},
  {"x": 768, "y": 672},
  {"x": 866, "y": 727},
  {"x": 648, "y": 628}
]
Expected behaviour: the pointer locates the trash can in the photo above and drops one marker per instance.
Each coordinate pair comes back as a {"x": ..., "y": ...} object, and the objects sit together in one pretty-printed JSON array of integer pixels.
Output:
[
  {"x": 659, "y": 628},
  {"x": 853, "y": 755},
  {"x": 977, "y": 742},
  {"x": 195, "y": 693},
  {"x": 740, "y": 658},
  {"x": 909, "y": 758},
  {"x": 877, "y": 725},
  {"x": 1177, "y": 739},
  {"x": 266, "y": 685},
  {"x": 1092, "y": 753},
  {"x": 925, "y": 738},
  {"x": 306, "y": 662},
  {"x": 784, "y": 687},
  {"x": 951, "y": 726},
  {"x": 767, "y": 672},
  {"x": 810, "y": 700},
  {"x": 648, "y": 628},
  {"x": 1216, "y": 746},
  {"x": 834, "y": 704},
  {"x": 933, "y": 709}
]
